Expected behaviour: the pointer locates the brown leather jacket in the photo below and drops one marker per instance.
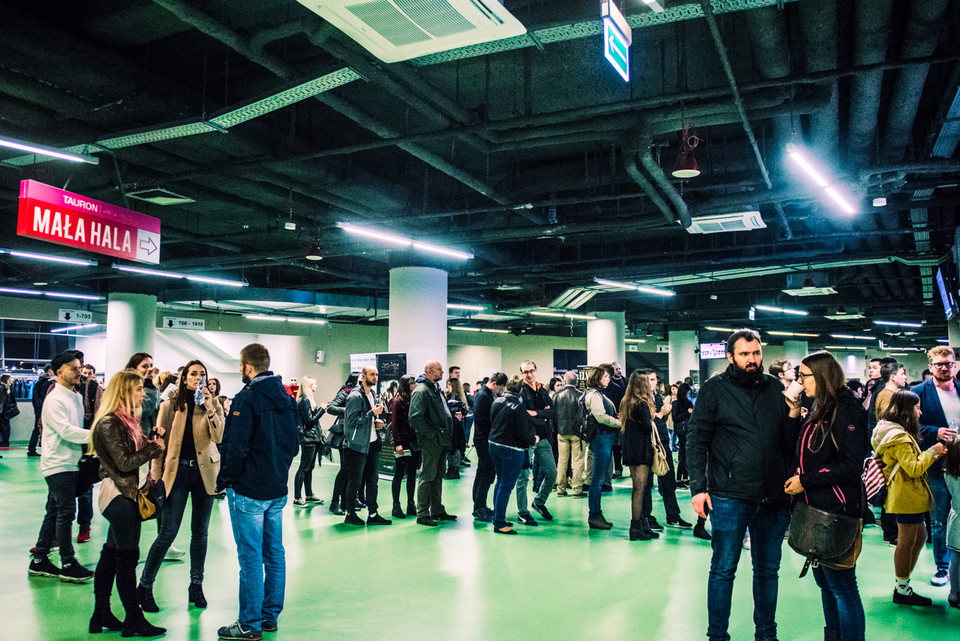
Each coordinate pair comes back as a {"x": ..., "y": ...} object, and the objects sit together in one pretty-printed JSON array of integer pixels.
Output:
[{"x": 119, "y": 459}]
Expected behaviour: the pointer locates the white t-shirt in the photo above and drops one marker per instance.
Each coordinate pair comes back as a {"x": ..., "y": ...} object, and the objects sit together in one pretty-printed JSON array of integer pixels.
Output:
[
  {"x": 950, "y": 403},
  {"x": 373, "y": 428}
]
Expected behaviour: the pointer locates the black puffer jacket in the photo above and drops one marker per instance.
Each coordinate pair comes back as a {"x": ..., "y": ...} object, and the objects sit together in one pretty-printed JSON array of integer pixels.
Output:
[
  {"x": 510, "y": 423},
  {"x": 830, "y": 467},
  {"x": 740, "y": 439}
]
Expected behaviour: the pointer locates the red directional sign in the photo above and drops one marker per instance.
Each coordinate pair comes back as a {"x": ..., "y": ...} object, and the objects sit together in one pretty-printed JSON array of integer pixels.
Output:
[{"x": 62, "y": 217}]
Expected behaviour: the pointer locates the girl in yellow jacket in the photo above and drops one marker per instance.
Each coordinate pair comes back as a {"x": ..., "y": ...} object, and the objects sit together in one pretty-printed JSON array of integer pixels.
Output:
[{"x": 895, "y": 441}]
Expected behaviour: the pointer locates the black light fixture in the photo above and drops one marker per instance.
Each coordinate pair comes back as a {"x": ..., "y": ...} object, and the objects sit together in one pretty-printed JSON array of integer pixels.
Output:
[
  {"x": 314, "y": 252},
  {"x": 686, "y": 166}
]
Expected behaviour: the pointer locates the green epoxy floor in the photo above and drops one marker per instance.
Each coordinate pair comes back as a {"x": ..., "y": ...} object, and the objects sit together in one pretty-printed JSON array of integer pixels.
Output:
[{"x": 457, "y": 581}]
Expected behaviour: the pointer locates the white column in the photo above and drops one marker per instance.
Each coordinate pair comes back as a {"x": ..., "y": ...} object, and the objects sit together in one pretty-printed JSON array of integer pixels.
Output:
[
  {"x": 131, "y": 324},
  {"x": 605, "y": 336},
  {"x": 418, "y": 315},
  {"x": 794, "y": 351},
  {"x": 684, "y": 355},
  {"x": 953, "y": 332}
]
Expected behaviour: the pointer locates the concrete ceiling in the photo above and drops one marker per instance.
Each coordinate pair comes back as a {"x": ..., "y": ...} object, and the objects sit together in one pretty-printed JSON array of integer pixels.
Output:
[{"x": 536, "y": 157}]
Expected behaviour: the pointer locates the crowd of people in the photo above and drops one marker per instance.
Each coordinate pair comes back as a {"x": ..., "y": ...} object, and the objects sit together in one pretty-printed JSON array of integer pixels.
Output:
[{"x": 751, "y": 447}]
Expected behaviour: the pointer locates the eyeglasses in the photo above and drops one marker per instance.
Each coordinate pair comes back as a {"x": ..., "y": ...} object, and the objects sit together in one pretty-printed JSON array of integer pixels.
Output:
[
  {"x": 801, "y": 375},
  {"x": 945, "y": 365},
  {"x": 527, "y": 371}
]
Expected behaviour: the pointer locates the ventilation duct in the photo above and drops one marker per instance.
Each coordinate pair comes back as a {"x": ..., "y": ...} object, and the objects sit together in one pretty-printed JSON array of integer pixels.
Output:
[{"x": 395, "y": 30}]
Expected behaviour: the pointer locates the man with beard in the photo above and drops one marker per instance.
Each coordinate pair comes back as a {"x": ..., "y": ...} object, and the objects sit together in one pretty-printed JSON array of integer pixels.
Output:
[{"x": 740, "y": 440}]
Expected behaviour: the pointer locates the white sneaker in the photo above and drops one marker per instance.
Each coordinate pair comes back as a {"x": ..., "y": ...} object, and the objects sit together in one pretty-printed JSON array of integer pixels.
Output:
[
  {"x": 940, "y": 578},
  {"x": 173, "y": 553}
]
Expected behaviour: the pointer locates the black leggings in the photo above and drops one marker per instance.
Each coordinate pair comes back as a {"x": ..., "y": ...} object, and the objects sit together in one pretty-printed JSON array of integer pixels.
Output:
[
  {"x": 406, "y": 467},
  {"x": 304, "y": 475},
  {"x": 123, "y": 515}
]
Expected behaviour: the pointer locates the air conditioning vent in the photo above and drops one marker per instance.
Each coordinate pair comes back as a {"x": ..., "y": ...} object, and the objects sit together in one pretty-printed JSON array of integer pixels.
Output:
[
  {"x": 395, "y": 30},
  {"x": 739, "y": 221},
  {"x": 159, "y": 196}
]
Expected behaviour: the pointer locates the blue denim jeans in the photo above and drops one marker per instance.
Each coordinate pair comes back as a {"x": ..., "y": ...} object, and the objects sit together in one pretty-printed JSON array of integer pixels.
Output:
[
  {"x": 842, "y": 608},
  {"x": 601, "y": 446},
  {"x": 258, "y": 532},
  {"x": 730, "y": 519},
  {"x": 938, "y": 521},
  {"x": 506, "y": 464},
  {"x": 188, "y": 483}
]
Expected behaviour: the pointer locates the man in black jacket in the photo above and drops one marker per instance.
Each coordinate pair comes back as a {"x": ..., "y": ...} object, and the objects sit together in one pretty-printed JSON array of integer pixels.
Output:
[
  {"x": 536, "y": 398},
  {"x": 567, "y": 407},
  {"x": 482, "y": 404},
  {"x": 40, "y": 389},
  {"x": 259, "y": 443},
  {"x": 740, "y": 444}
]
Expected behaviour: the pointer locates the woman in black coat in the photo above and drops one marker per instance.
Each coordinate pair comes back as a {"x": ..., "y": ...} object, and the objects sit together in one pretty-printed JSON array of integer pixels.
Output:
[
  {"x": 636, "y": 419},
  {"x": 830, "y": 457},
  {"x": 311, "y": 438},
  {"x": 336, "y": 407}
]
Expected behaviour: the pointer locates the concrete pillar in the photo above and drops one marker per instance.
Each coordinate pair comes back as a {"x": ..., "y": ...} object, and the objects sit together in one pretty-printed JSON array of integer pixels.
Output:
[
  {"x": 131, "y": 326},
  {"x": 953, "y": 332},
  {"x": 605, "y": 336},
  {"x": 418, "y": 315},
  {"x": 684, "y": 355},
  {"x": 794, "y": 351}
]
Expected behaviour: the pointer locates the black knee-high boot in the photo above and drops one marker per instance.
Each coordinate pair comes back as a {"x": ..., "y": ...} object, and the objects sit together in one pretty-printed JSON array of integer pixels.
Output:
[
  {"x": 102, "y": 587},
  {"x": 134, "y": 625}
]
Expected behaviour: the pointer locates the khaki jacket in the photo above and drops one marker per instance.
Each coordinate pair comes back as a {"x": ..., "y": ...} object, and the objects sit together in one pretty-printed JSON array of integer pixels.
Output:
[
  {"x": 907, "y": 488},
  {"x": 207, "y": 432}
]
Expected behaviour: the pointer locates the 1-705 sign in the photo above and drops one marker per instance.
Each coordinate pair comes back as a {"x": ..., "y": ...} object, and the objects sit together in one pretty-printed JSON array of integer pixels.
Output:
[{"x": 58, "y": 216}]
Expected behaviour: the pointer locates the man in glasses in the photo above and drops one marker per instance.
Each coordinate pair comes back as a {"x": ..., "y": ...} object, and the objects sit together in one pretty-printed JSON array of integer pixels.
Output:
[{"x": 941, "y": 416}]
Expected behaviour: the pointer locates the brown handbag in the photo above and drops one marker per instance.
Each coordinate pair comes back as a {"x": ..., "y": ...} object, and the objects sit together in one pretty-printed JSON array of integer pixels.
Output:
[{"x": 660, "y": 465}]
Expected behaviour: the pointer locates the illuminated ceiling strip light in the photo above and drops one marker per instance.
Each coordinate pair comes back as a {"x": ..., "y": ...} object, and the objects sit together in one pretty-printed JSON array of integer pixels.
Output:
[
  {"x": 876, "y": 322},
  {"x": 466, "y": 329},
  {"x": 52, "y": 259},
  {"x": 474, "y": 308},
  {"x": 850, "y": 337},
  {"x": 942, "y": 340},
  {"x": 847, "y": 347},
  {"x": 72, "y": 328},
  {"x": 77, "y": 296},
  {"x": 634, "y": 340},
  {"x": 264, "y": 317},
  {"x": 443, "y": 251},
  {"x": 11, "y": 290},
  {"x": 400, "y": 241},
  {"x": 793, "y": 334},
  {"x": 580, "y": 316},
  {"x": 797, "y": 156},
  {"x": 495, "y": 331},
  {"x": 645, "y": 289},
  {"x": 782, "y": 310},
  {"x": 719, "y": 329},
  {"x": 550, "y": 314},
  {"x": 31, "y": 148},
  {"x": 308, "y": 321},
  {"x": 897, "y": 354},
  {"x": 216, "y": 281},
  {"x": 148, "y": 272},
  {"x": 286, "y": 319}
]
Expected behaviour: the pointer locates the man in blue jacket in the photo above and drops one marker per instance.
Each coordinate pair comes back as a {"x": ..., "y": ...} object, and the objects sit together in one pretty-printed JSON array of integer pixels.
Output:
[
  {"x": 941, "y": 416},
  {"x": 259, "y": 442}
]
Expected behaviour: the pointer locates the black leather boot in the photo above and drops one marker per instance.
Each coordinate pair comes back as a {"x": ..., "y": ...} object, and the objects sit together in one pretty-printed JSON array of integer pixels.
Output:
[
  {"x": 336, "y": 509},
  {"x": 648, "y": 531},
  {"x": 398, "y": 512},
  {"x": 195, "y": 595},
  {"x": 637, "y": 531},
  {"x": 134, "y": 625},
  {"x": 102, "y": 587}
]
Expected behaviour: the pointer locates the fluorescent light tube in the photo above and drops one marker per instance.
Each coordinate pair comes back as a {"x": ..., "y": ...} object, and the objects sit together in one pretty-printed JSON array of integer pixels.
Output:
[
  {"x": 309, "y": 321},
  {"x": 76, "y": 296},
  {"x": 654, "y": 290},
  {"x": 72, "y": 328},
  {"x": 369, "y": 233},
  {"x": 580, "y": 316},
  {"x": 474, "y": 308},
  {"x": 781, "y": 310},
  {"x": 846, "y": 347},
  {"x": 798, "y": 158},
  {"x": 52, "y": 259},
  {"x": 877, "y": 322},
  {"x": 613, "y": 283},
  {"x": 443, "y": 251},
  {"x": 11, "y": 290},
  {"x": 634, "y": 340},
  {"x": 550, "y": 314},
  {"x": 264, "y": 317},
  {"x": 148, "y": 272},
  {"x": 466, "y": 329},
  {"x": 840, "y": 201},
  {"x": 495, "y": 331},
  {"x": 216, "y": 281},
  {"x": 850, "y": 337},
  {"x": 47, "y": 151},
  {"x": 719, "y": 329},
  {"x": 792, "y": 334}
]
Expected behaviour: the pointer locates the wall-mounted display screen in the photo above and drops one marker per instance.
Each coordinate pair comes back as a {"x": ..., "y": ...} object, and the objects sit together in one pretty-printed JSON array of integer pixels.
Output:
[{"x": 713, "y": 350}]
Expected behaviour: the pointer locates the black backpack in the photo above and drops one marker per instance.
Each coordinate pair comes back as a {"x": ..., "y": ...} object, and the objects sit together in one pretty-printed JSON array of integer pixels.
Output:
[{"x": 587, "y": 426}]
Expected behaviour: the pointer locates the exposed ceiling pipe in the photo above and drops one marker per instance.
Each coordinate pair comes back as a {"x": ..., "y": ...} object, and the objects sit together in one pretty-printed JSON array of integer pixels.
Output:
[
  {"x": 660, "y": 179},
  {"x": 215, "y": 29},
  {"x": 920, "y": 40},
  {"x": 738, "y": 101},
  {"x": 633, "y": 169},
  {"x": 818, "y": 26},
  {"x": 768, "y": 35},
  {"x": 870, "y": 47}
]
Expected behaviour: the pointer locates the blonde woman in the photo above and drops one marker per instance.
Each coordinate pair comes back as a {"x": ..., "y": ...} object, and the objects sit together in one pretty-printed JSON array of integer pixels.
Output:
[
  {"x": 311, "y": 438},
  {"x": 119, "y": 443},
  {"x": 190, "y": 468}
]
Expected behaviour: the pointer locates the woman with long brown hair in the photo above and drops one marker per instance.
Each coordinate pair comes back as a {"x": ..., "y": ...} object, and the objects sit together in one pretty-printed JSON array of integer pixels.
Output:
[
  {"x": 830, "y": 454},
  {"x": 407, "y": 451},
  {"x": 192, "y": 430},
  {"x": 636, "y": 432},
  {"x": 896, "y": 441},
  {"x": 117, "y": 440}
]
